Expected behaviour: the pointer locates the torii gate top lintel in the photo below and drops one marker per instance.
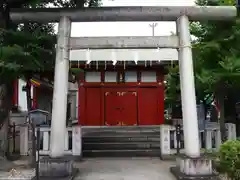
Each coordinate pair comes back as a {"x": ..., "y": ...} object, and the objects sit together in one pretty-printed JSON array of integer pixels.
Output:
[{"x": 136, "y": 13}]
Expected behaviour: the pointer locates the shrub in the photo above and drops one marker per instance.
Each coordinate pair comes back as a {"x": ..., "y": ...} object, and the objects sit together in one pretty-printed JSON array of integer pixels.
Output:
[{"x": 229, "y": 159}]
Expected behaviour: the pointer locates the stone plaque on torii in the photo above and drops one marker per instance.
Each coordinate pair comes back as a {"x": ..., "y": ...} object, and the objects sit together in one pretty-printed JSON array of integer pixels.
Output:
[{"x": 192, "y": 165}]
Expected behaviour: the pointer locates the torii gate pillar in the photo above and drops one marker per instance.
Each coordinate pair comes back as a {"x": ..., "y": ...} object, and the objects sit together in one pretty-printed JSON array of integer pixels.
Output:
[
  {"x": 188, "y": 95},
  {"x": 60, "y": 93}
]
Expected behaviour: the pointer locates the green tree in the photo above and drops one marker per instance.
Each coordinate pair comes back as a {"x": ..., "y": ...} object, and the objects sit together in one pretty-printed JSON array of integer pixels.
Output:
[
  {"x": 25, "y": 50},
  {"x": 216, "y": 57},
  {"x": 20, "y": 54},
  {"x": 216, "y": 53}
]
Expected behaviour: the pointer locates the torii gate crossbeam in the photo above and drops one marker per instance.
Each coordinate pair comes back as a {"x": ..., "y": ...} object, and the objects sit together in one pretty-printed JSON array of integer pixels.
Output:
[
  {"x": 192, "y": 164},
  {"x": 136, "y": 13}
]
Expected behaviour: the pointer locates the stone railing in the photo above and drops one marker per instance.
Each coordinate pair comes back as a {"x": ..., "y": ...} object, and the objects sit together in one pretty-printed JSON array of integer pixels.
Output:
[
  {"x": 210, "y": 138},
  {"x": 72, "y": 141}
]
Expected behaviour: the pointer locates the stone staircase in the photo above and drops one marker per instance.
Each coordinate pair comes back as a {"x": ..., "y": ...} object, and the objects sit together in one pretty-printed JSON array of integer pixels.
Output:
[{"x": 123, "y": 141}]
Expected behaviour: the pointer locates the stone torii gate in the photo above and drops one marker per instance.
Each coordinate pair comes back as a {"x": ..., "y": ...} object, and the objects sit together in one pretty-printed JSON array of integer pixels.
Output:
[{"x": 192, "y": 164}]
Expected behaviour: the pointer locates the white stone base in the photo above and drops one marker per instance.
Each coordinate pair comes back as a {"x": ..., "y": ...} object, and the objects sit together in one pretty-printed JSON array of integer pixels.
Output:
[
  {"x": 195, "y": 166},
  {"x": 55, "y": 167}
]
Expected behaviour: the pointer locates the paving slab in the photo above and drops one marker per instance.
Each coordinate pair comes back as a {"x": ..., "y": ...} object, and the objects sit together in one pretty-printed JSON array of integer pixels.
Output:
[
  {"x": 124, "y": 169},
  {"x": 17, "y": 174},
  {"x": 105, "y": 169}
]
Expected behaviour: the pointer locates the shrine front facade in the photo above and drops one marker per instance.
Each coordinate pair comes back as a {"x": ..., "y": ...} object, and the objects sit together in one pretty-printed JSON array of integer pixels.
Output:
[
  {"x": 108, "y": 97},
  {"x": 121, "y": 97}
]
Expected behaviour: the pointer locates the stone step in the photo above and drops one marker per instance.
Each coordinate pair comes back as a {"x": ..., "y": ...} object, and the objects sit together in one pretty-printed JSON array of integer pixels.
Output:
[
  {"x": 119, "y": 139},
  {"x": 121, "y": 133},
  {"x": 122, "y": 153},
  {"x": 121, "y": 146},
  {"x": 119, "y": 128},
  {"x": 121, "y": 142}
]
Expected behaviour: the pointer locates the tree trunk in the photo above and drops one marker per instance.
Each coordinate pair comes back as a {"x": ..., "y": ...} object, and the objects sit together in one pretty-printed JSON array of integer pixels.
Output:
[
  {"x": 221, "y": 98},
  {"x": 4, "y": 119},
  {"x": 5, "y": 105}
]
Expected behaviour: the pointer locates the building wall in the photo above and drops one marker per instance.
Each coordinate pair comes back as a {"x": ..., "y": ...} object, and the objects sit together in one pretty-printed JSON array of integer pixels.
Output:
[
  {"x": 88, "y": 100},
  {"x": 141, "y": 92},
  {"x": 20, "y": 95}
]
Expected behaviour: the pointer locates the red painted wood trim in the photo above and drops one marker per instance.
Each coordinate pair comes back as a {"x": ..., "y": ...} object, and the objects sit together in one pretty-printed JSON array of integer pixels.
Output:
[
  {"x": 102, "y": 106},
  {"x": 102, "y": 98},
  {"x": 34, "y": 98},
  {"x": 102, "y": 76},
  {"x": 134, "y": 84},
  {"x": 160, "y": 77},
  {"x": 161, "y": 104},
  {"x": 104, "y": 87},
  {"x": 138, "y": 76},
  {"x": 15, "y": 93},
  {"x": 161, "y": 89},
  {"x": 82, "y": 77}
]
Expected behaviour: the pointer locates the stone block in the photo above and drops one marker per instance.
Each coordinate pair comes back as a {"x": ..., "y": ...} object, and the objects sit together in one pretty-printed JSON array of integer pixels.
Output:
[
  {"x": 194, "y": 168},
  {"x": 55, "y": 167}
]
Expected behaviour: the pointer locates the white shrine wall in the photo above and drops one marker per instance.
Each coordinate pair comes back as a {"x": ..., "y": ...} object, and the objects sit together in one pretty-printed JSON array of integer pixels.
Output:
[
  {"x": 22, "y": 98},
  {"x": 130, "y": 76}
]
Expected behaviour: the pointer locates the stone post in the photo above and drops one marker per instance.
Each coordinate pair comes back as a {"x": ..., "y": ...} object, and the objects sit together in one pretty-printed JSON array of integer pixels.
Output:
[
  {"x": 60, "y": 93},
  {"x": 191, "y": 165},
  {"x": 57, "y": 165}
]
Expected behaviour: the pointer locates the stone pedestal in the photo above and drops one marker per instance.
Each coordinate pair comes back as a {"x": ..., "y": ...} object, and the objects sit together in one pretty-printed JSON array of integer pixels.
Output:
[
  {"x": 194, "y": 168},
  {"x": 56, "y": 168}
]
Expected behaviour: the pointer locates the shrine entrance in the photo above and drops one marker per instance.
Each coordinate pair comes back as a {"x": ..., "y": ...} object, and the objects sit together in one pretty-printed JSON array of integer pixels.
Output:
[
  {"x": 125, "y": 49},
  {"x": 135, "y": 99},
  {"x": 120, "y": 108}
]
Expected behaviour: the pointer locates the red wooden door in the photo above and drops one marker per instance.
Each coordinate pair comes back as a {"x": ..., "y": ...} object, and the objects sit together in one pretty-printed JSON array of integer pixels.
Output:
[
  {"x": 112, "y": 108},
  {"x": 149, "y": 106},
  {"x": 129, "y": 108},
  {"x": 92, "y": 105}
]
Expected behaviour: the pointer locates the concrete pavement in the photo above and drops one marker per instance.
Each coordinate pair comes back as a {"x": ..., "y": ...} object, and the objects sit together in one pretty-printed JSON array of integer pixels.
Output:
[
  {"x": 124, "y": 169},
  {"x": 107, "y": 169}
]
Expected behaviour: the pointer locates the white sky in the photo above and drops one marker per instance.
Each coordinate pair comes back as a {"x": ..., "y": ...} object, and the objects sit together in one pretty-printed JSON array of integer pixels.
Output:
[{"x": 128, "y": 28}]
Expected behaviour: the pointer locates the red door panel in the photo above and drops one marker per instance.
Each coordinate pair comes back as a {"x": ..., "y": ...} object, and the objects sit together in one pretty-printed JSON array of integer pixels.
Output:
[
  {"x": 112, "y": 108},
  {"x": 93, "y": 110},
  {"x": 149, "y": 107},
  {"x": 129, "y": 108}
]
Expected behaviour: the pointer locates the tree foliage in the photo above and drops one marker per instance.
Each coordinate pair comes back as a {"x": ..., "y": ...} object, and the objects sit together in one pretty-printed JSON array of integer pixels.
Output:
[
  {"x": 29, "y": 48},
  {"x": 216, "y": 55},
  {"x": 26, "y": 49}
]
